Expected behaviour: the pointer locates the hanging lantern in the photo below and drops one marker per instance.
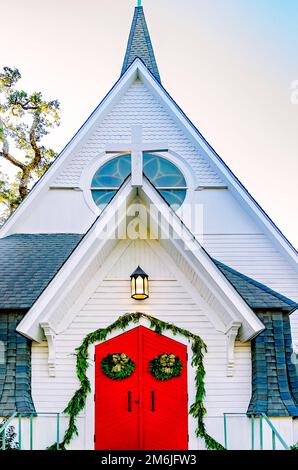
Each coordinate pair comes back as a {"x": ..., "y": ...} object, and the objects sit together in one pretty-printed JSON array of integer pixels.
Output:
[{"x": 139, "y": 284}]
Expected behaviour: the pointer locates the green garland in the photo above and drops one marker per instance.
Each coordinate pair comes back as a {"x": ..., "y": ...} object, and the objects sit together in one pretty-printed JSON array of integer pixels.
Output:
[
  {"x": 165, "y": 366},
  {"x": 117, "y": 366},
  {"x": 78, "y": 401}
]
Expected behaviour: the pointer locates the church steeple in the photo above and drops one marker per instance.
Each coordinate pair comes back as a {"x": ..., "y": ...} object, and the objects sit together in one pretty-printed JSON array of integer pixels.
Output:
[{"x": 139, "y": 44}]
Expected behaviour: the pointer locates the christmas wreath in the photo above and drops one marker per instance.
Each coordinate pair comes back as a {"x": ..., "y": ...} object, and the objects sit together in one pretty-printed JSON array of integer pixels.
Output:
[
  {"x": 117, "y": 366},
  {"x": 78, "y": 400},
  {"x": 165, "y": 366}
]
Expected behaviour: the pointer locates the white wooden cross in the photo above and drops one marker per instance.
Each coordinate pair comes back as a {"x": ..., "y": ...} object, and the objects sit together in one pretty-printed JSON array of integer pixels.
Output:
[{"x": 136, "y": 148}]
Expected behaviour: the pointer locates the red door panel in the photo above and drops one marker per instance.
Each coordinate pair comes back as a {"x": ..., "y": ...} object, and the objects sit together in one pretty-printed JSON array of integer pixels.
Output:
[
  {"x": 165, "y": 402},
  {"x": 115, "y": 426},
  {"x": 158, "y": 419}
]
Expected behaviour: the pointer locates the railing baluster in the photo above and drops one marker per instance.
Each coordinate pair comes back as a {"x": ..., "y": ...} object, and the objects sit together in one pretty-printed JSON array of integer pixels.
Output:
[
  {"x": 225, "y": 431},
  {"x": 275, "y": 434},
  {"x": 273, "y": 441},
  {"x": 3, "y": 439},
  {"x": 252, "y": 432},
  {"x": 29, "y": 426},
  {"x": 31, "y": 432},
  {"x": 263, "y": 419},
  {"x": 261, "y": 433},
  {"x": 58, "y": 430},
  {"x": 20, "y": 431}
]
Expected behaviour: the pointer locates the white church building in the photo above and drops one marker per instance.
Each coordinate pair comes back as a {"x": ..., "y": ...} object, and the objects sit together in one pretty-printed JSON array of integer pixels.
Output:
[{"x": 146, "y": 300}]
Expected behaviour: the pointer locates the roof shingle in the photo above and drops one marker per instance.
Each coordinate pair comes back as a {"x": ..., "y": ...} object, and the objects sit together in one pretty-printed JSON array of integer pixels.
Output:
[
  {"x": 256, "y": 294},
  {"x": 139, "y": 45},
  {"x": 28, "y": 262}
]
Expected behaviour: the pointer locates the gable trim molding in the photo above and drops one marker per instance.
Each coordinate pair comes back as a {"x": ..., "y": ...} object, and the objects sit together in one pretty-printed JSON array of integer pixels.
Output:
[
  {"x": 139, "y": 70},
  {"x": 183, "y": 243}
]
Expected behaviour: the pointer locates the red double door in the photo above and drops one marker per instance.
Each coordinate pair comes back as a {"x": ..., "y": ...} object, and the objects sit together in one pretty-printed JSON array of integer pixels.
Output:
[{"x": 141, "y": 412}]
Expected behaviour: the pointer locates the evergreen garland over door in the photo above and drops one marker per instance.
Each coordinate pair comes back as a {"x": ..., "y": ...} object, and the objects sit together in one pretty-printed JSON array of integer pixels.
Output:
[{"x": 141, "y": 412}]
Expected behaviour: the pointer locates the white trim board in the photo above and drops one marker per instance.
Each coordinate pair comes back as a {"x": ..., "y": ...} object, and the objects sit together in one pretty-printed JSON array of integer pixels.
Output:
[
  {"x": 139, "y": 70},
  {"x": 228, "y": 304}
]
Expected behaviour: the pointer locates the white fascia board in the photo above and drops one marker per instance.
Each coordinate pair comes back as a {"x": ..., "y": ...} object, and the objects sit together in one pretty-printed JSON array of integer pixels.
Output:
[
  {"x": 218, "y": 164},
  {"x": 202, "y": 264},
  {"x": 95, "y": 239},
  {"x": 49, "y": 301},
  {"x": 72, "y": 147},
  {"x": 138, "y": 69}
]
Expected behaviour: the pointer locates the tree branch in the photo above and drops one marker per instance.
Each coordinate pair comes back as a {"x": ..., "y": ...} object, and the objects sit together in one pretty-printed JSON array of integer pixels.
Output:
[
  {"x": 24, "y": 183},
  {"x": 25, "y": 106},
  {"x": 30, "y": 108},
  {"x": 5, "y": 150},
  {"x": 13, "y": 160},
  {"x": 17, "y": 108},
  {"x": 32, "y": 135}
]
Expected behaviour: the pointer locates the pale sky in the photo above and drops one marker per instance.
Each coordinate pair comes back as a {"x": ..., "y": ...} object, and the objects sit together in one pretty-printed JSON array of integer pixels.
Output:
[{"x": 229, "y": 64}]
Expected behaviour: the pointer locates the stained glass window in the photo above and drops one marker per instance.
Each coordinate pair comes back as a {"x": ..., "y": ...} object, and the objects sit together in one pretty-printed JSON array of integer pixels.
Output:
[{"x": 164, "y": 175}]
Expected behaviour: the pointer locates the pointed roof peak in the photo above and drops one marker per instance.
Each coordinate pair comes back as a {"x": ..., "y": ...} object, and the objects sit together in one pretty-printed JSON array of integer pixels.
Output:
[{"x": 139, "y": 44}]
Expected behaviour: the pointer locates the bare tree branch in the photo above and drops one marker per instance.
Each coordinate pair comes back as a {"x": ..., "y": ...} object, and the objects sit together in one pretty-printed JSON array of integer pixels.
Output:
[
  {"x": 5, "y": 150},
  {"x": 24, "y": 183},
  {"x": 32, "y": 135},
  {"x": 13, "y": 160}
]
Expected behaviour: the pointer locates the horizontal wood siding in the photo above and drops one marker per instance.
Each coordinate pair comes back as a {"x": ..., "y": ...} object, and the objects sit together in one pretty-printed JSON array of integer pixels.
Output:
[
  {"x": 170, "y": 301},
  {"x": 256, "y": 256}
]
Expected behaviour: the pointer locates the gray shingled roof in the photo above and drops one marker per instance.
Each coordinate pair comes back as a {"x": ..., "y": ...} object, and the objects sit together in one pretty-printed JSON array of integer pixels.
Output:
[
  {"x": 139, "y": 44},
  {"x": 15, "y": 370},
  {"x": 28, "y": 262},
  {"x": 274, "y": 376},
  {"x": 257, "y": 295}
]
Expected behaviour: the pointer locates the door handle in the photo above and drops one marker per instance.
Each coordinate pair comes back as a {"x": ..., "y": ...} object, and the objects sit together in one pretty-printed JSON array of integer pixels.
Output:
[
  {"x": 129, "y": 402},
  {"x": 152, "y": 401}
]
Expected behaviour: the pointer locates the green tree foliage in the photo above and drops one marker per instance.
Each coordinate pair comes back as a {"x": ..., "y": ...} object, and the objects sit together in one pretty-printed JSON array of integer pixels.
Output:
[
  {"x": 9, "y": 197},
  {"x": 10, "y": 437},
  {"x": 24, "y": 120}
]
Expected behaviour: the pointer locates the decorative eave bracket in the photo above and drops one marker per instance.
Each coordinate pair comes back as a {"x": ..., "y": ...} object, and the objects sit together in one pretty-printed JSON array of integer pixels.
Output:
[
  {"x": 231, "y": 334},
  {"x": 51, "y": 339}
]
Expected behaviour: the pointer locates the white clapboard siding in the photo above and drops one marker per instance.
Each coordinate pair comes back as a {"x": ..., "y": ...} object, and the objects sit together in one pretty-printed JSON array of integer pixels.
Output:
[
  {"x": 170, "y": 301},
  {"x": 223, "y": 393},
  {"x": 295, "y": 431},
  {"x": 294, "y": 324},
  {"x": 256, "y": 256}
]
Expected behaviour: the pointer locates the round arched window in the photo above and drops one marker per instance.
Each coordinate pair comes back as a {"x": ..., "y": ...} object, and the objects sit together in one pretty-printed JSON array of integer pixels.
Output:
[{"x": 164, "y": 175}]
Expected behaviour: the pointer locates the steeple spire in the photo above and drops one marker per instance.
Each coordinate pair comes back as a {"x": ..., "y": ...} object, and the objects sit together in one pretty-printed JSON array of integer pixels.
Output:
[{"x": 139, "y": 44}]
